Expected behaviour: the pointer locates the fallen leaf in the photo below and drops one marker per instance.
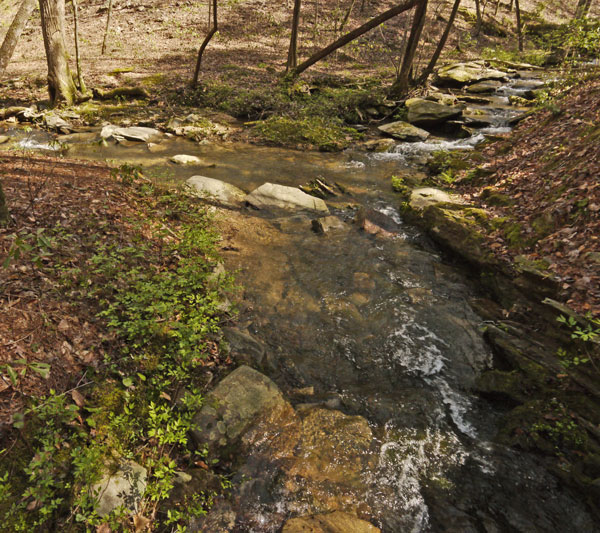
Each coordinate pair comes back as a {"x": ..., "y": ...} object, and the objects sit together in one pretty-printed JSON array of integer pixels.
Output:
[{"x": 78, "y": 398}]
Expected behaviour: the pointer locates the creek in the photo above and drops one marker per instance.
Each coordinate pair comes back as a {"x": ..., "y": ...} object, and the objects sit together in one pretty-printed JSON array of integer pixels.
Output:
[{"x": 380, "y": 326}]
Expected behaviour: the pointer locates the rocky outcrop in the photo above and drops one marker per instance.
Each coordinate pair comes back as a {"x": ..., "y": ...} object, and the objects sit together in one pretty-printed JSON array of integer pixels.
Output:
[
  {"x": 217, "y": 190},
  {"x": 459, "y": 74},
  {"x": 271, "y": 195},
  {"x": 427, "y": 113},
  {"x": 239, "y": 402},
  {"x": 336, "y": 522},
  {"x": 403, "y": 131}
]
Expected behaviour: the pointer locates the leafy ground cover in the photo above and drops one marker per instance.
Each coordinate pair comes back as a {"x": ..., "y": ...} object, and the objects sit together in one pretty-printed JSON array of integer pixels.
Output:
[{"x": 109, "y": 334}]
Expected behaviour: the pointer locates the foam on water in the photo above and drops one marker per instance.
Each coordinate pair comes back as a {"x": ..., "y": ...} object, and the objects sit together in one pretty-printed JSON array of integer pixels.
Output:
[
  {"x": 33, "y": 144},
  {"x": 405, "y": 151},
  {"x": 458, "y": 405}
]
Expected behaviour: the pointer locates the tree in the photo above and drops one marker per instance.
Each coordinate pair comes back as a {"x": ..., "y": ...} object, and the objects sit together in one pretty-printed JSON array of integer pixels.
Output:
[
  {"x": 80, "y": 82},
  {"x": 3, "y": 208},
  {"x": 354, "y": 34},
  {"x": 61, "y": 86},
  {"x": 583, "y": 8},
  {"x": 436, "y": 55},
  {"x": 14, "y": 32},
  {"x": 400, "y": 86},
  {"x": 108, "y": 14},
  {"x": 292, "y": 60},
  {"x": 209, "y": 36},
  {"x": 519, "y": 28}
]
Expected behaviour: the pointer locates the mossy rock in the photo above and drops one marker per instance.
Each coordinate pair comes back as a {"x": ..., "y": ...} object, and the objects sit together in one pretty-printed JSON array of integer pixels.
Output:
[
  {"x": 508, "y": 387},
  {"x": 492, "y": 196}
]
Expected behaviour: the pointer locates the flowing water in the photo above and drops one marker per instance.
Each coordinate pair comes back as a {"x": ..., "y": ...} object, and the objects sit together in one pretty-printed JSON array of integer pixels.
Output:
[{"x": 378, "y": 326}]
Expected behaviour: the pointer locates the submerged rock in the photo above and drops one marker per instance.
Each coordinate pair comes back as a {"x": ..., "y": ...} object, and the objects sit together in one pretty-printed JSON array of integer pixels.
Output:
[
  {"x": 182, "y": 159},
  {"x": 124, "y": 488},
  {"x": 336, "y": 522},
  {"x": 131, "y": 134},
  {"x": 327, "y": 224},
  {"x": 282, "y": 197},
  {"x": 404, "y": 131},
  {"x": 221, "y": 192},
  {"x": 427, "y": 113},
  {"x": 469, "y": 72},
  {"x": 380, "y": 145}
]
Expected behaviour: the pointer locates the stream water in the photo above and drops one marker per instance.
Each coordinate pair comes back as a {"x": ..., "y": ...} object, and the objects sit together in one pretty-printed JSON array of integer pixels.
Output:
[{"x": 380, "y": 327}]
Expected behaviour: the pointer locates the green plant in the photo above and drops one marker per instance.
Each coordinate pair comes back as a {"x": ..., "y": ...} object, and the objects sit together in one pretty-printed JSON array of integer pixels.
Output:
[{"x": 584, "y": 335}]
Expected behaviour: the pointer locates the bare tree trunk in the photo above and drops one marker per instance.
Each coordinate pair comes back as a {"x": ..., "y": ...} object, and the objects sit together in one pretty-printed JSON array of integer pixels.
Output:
[
  {"x": 3, "y": 208},
  {"x": 61, "y": 86},
  {"x": 80, "y": 81},
  {"x": 583, "y": 8},
  {"x": 497, "y": 7},
  {"x": 347, "y": 16},
  {"x": 519, "y": 29},
  {"x": 440, "y": 47},
  {"x": 207, "y": 39},
  {"x": 14, "y": 32},
  {"x": 354, "y": 34},
  {"x": 106, "y": 28},
  {"x": 402, "y": 81},
  {"x": 292, "y": 60},
  {"x": 479, "y": 21}
]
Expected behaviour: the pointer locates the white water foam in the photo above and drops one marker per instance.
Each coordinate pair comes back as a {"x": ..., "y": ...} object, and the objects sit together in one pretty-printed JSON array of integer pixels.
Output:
[
  {"x": 403, "y": 151},
  {"x": 32, "y": 144},
  {"x": 458, "y": 405}
]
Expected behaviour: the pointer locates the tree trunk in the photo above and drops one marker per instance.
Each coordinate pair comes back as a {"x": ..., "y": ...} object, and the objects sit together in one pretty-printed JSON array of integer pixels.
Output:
[
  {"x": 400, "y": 86},
  {"x": 440, "y": 47},
  {"x": 519, "y": 28},
  {"x": 583, "y": 8},
  {"x": 479, "y": 21},
  {"x": 61, "y": 86},
  {"x": 106, "y": 27},
  {"x": 3, "y": 208},
  {"x": 354, "y": 34},
  {"x": 292, "y": 60},
  {"x": 14, "y": 32},
  {"x": 80, "y": 81},
  {"x": 207, "y": 39}
]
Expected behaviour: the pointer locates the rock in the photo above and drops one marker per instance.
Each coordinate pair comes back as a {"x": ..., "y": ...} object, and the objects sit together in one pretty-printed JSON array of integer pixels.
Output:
[
  {"x": 282, "y": 197},
  {"x": 155, "y": 148},
  {"x": 9, "y": 112},
  {"x": 521, "y": 116},
  {"x": 132, "y": 134},
  {"x": 380, "y": 145},
  {"x": 469, "y": 72},
  {"x": 362, "y": 281},
  {"x": 238, "y": 402},
  {"x": 427, "y": 113},
  {"x": 424, "y": 197},
  {"x": 404, "y": 131},
  {"x": 183, "y": 159},
  {"x": 123, "y": 488},
  {"x": 244, "y": 346},
  {"x": 484, "y": 87},
  {"x": 54, "y": 122},
  {"x": 336, "y": 522},
  {"x": 221, "y": 192},
  {"x": 327, "y": 224},
  {"x": 4, "y": 139}
]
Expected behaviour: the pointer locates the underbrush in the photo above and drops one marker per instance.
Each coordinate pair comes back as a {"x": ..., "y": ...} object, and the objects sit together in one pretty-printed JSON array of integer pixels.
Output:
[{"x": 157, "y": 296}]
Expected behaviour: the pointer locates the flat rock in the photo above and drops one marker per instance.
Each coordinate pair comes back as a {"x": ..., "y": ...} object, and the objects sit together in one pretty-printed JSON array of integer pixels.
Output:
[
  {"x": 4, "y": 139},
  {"x": 327, "y": 224},
  {"x": 124, "y": 488},
  {"x": 183, "y": 159},
  {"x": 54, "y": 122},
  {"x": 424, "y": 197},
  {"x": 427, "y": 113},
  {"x": 282, "y": 197},
  {"x": 484, "y": 87},
  {"x": 135, "y": 133},
  {"x": 380, "y": 145},
  {"x": 336, "y": 522},
  {"x": 240, "y": 401},
  {"x": 468, "y": 72},
  {"x": 404, "y": 131},
  {"x": 220, "y": 191}
]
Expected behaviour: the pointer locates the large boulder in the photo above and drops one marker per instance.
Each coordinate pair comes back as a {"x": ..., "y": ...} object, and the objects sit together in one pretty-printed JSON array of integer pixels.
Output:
[
  {"x": 427, "y": 113},
  {"x": 131, "y": 134},
  {"x": 242, "y": 400},
  {"x": 282, "y": 197},
  {"x": 336, "y": 522},
  {"x": 403, "y": 131},
  {"x": 459, "y": 74},
  {"x": 210, "y": 188},
  {"x": 123, "y": 489}
]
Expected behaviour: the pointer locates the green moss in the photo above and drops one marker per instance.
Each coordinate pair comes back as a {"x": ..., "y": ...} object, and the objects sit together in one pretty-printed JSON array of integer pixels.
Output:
[
  {"x": 121, "y": 70},
  {"x": 513, "y": 233},
  {"x": 154, "y": 79},
  {"x": 326, "y": 135},
  {"x": 398, "y": 185},
  {"x": 492, "y": 196}
]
